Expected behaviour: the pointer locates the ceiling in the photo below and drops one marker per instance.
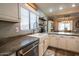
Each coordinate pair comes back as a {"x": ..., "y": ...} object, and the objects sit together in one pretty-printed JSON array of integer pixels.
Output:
[{"x": 44, "y": 7}]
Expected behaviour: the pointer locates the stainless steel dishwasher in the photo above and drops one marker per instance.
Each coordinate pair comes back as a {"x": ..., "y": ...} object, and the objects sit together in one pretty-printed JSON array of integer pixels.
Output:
[{"x": 29, "y": 50}]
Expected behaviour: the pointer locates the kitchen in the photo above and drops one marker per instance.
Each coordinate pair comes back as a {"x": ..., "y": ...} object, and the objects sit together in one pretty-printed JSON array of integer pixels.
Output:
[{"x": 39, "y": 29}]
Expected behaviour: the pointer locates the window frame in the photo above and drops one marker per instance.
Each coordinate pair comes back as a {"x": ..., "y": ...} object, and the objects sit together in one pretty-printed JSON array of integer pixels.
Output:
[{"x": 29, "y": 19}]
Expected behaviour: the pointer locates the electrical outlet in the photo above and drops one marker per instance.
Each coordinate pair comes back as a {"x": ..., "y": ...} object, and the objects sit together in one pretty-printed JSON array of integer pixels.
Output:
[{"x": 17, "y": 29}]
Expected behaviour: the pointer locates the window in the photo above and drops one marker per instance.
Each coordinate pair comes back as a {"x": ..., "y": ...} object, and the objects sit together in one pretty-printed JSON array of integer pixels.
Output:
[
  {"x": 24, "y": 19},
  {"x": 33, "y": 20},
  {"x": 61, "y": 26},
  {"x": 65, "y": 25},
  {"x": 37, "y": 21}
]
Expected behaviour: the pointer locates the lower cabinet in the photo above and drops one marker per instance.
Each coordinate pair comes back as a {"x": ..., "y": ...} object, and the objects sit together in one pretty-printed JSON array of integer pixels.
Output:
[
  {"x": 77, "y": 44},
  {"x": 43, "y": 45},
  {"x": 62, "y": 42},
  {"x": 73, "y": 44},
  {"x": 70, "y": 43},
  {"x": 53, "y": 41},
  {"x": 45, "y": 42},
  {"x": 41, "y": 49}
]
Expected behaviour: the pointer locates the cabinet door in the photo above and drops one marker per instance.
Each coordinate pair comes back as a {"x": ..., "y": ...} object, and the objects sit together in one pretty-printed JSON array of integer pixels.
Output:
[
  {"x": 45, "y": 44},
  {"x": 9, "y": 12},
  {"x": 72, "y": 44},
  {"x": 53, "y": 41},
  {"x": 62, "y": 42},
  {"x": 77, "y": 43},
  {"x": 41, "y": 49}
]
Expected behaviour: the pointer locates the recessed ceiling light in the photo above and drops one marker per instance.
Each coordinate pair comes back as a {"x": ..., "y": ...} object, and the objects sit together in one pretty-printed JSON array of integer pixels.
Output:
[
  {"x": 73, "y": 5},
  {"x": 60, "y": 8},
  {"x": 50, "y": 10}
]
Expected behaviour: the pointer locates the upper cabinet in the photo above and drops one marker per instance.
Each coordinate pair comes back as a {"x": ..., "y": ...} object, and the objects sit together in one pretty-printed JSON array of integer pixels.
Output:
[{"x": 9, "y": 12}]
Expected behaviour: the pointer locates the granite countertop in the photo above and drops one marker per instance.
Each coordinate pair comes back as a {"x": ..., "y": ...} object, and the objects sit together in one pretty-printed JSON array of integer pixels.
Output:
[
  {"x": 16, "y": 44},
  {"x": 64, "y": 33}
]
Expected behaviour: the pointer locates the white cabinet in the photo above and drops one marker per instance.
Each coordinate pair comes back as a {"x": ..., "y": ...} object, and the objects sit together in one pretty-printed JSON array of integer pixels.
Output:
[
  {"x": 70, "y": 43},
  {"x": 43, "y": 44},
  {"x": 53, "y": 41},
  {"x": 77, "y": 43},
  {"x": 62, "y": 42},
  {"x": 9, "y": 12},
  {"x": 73, "y": 43},
  {"x": 58, "y": 41}
]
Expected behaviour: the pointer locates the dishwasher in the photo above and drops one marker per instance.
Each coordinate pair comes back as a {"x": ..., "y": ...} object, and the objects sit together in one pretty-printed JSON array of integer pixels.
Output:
[{"x": 29, "y": 50}]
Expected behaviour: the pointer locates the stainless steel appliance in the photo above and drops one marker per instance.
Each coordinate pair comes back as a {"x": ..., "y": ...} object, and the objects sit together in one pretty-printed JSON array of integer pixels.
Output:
[{"x": 30, "y": 50}]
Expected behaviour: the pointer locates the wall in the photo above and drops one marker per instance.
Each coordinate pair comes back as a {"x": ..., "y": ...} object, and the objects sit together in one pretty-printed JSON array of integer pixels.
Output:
[{"x": 9, "y": 29}]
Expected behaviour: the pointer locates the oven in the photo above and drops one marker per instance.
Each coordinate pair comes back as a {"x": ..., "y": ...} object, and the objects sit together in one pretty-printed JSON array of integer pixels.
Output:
[{"x": 29, "y": 50}]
